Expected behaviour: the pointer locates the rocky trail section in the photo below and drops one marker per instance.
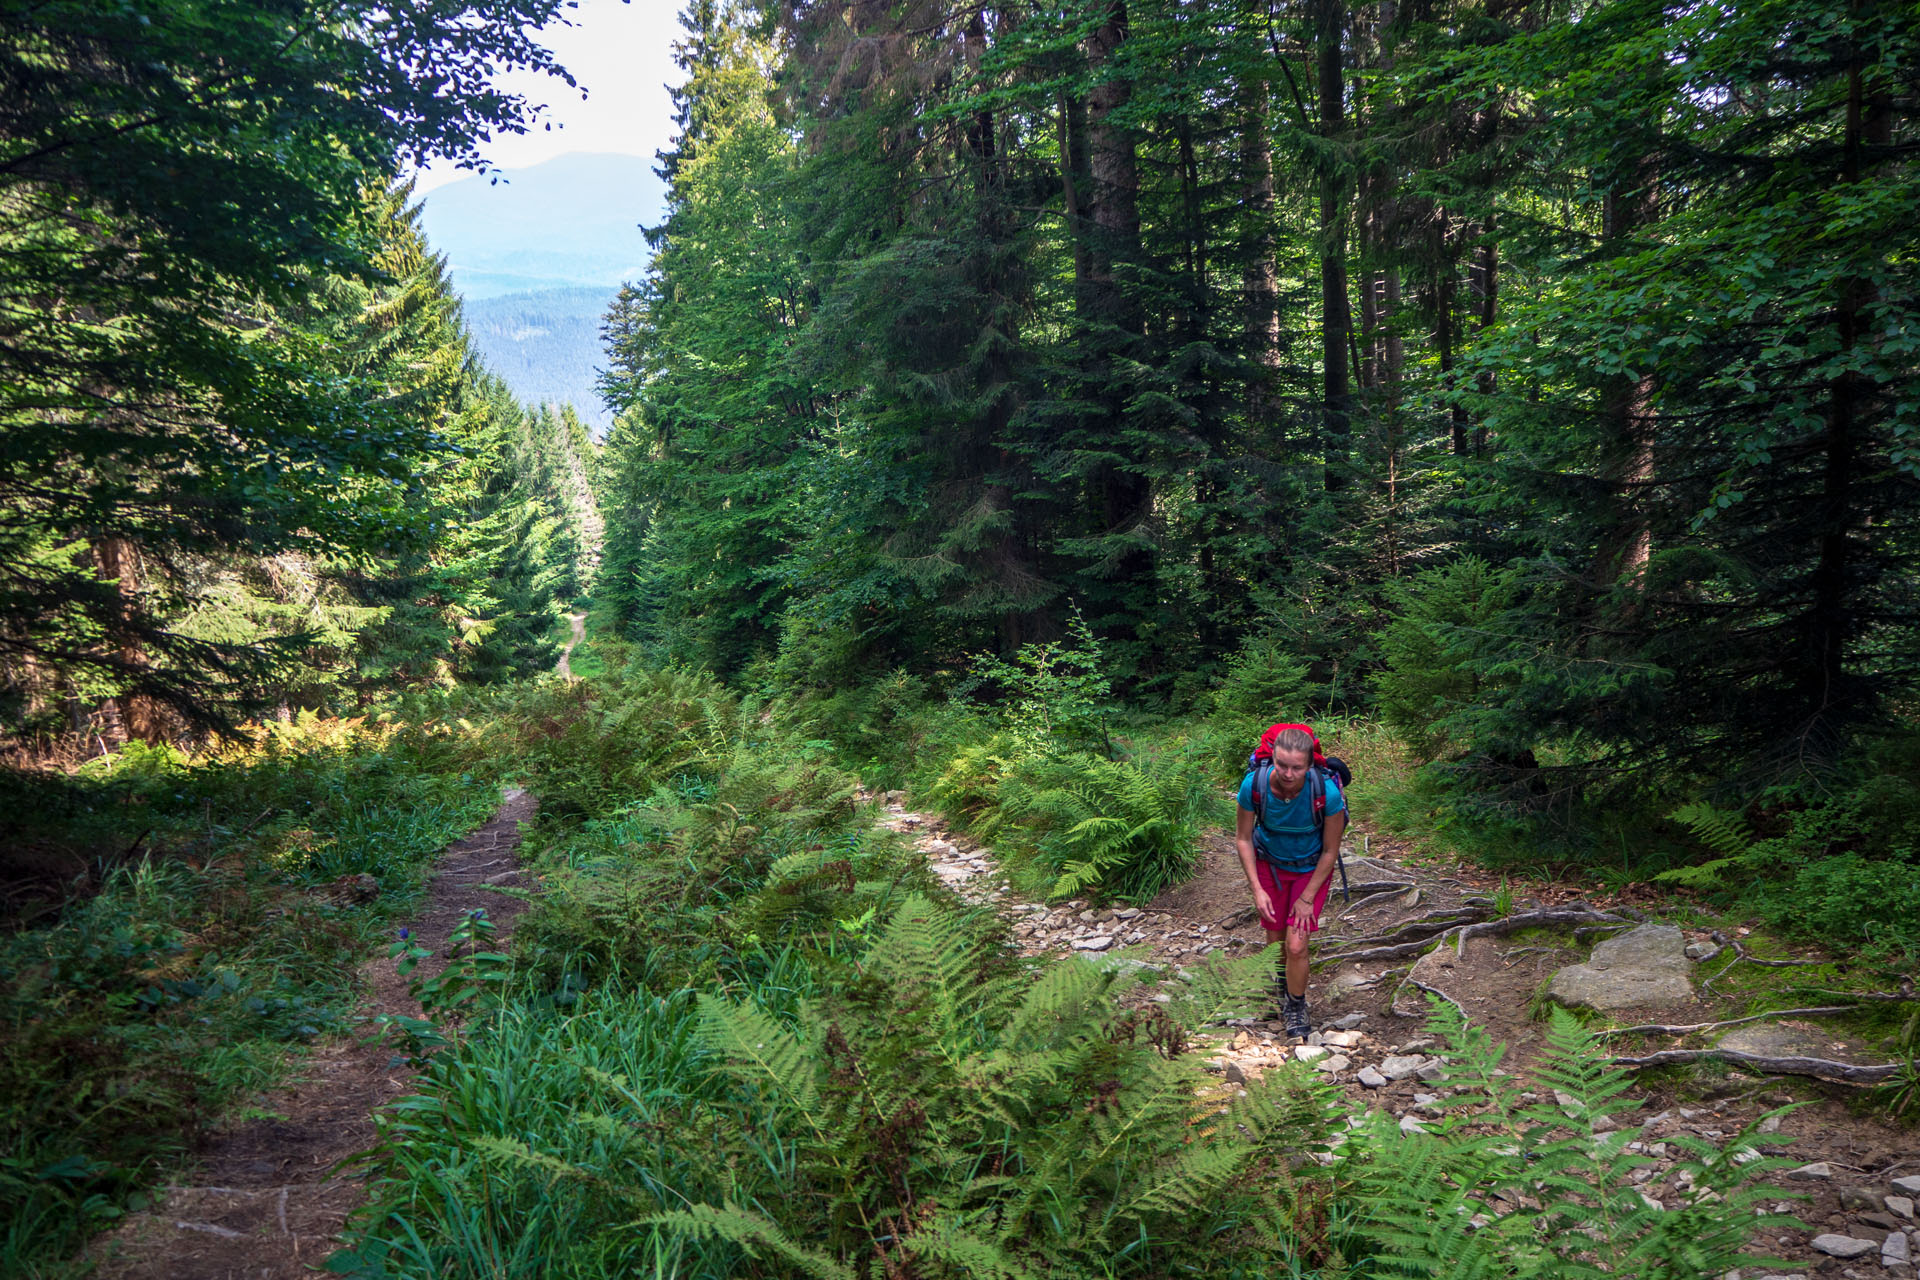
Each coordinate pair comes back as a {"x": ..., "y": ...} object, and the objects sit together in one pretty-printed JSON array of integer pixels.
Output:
[
  {"x": 1406, "y": 933},
  {"x": 266, "y": 1200}
]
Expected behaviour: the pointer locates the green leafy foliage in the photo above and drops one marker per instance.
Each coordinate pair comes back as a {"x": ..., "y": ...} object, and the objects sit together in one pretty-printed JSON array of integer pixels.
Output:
[
  {"x": 1128, "y": 828},
  {"x": 934, "y": 1109},
  {"x": 1511, "y": 1187},
  {"x": 198, "y": 378}
]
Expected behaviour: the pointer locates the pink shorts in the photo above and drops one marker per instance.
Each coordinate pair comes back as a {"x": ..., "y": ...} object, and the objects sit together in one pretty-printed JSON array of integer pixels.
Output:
[{"x": 1283, "y": 888}]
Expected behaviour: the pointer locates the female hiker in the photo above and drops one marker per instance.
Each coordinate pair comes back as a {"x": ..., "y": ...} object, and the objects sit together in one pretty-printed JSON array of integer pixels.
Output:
[{"x": 1292, "y": 815}]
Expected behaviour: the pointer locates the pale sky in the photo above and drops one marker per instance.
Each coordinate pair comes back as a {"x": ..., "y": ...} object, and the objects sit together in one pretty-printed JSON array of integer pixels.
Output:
[{"x": 622, "y": 55}]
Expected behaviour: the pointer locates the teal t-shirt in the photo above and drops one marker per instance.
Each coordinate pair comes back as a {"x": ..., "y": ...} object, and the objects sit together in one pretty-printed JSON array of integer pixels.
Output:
[{"x": 1283, "y": 830}]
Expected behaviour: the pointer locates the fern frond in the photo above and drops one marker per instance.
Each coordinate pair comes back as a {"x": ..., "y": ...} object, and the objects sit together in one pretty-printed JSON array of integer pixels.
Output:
[
  {"x": 1726, "y": 834},
  {"x": 514, "y": 1153},
  {"x": 1058, "y": 1004},
  {"x": 1219, "y": 990},
  {"x": 947, "y": 1243},
  {"x": 760, "y": 1052},
  {"x": 755, "y": 1235}
]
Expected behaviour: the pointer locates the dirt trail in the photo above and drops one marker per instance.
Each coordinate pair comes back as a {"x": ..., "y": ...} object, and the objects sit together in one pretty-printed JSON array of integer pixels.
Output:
[
  {"x": 565, "y": 666},
  {"x": 264, "y": 1201},
  {"x": 1372, "y": 1046}
]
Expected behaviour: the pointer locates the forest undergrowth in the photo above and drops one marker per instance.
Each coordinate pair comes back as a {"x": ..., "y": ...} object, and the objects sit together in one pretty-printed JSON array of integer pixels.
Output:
[
  {"x": 746, "y": 1032},
  {"x": 750, "y": 1035}
]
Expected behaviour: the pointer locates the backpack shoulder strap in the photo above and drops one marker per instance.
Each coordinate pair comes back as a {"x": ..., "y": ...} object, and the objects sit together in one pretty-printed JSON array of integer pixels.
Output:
[
  {"x": 1260, "y": 775},
  {"x": 1317, "y": 792}
]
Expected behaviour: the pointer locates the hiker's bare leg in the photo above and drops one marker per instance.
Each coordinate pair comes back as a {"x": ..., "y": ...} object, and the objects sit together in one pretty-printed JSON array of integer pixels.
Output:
[{"x": 1297, "y": 962}]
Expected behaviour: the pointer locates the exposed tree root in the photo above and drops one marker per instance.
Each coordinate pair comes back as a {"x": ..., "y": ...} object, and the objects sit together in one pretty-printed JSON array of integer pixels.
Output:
[
  {"x": 1432, "y": 991},
  {"x": 1906, "y": 996},
  {"x": 1820, "y": 1068},
  {"x": 1740, "y": 954},
  {"x": 1423, "y": 929},
  {"x": 1480, "y": 929},
  {"x": 1665, "y": 1029}
]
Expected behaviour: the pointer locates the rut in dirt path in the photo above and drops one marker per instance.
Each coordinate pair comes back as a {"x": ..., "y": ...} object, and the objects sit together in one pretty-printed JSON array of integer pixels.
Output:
[{"x": 263, "y": 1201}]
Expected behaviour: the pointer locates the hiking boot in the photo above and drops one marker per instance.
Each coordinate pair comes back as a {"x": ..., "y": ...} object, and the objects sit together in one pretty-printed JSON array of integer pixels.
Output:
[{"x": 1293, "y": 1011}]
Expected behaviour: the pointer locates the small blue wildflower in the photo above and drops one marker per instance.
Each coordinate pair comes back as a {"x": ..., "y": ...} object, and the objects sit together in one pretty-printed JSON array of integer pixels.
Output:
[{"x": 405, "y": 932}]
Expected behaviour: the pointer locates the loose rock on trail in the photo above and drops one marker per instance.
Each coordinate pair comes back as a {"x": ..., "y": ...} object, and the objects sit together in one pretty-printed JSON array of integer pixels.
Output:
[
  {"x": 1856, "y": 1193},
  {"x": 264, "y": 1199}
]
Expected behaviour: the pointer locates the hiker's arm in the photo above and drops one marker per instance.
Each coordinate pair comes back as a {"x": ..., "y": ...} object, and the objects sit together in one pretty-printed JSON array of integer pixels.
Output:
[
  {"x": 1243, "y": 842},
  {"x": 1322, "y": 870}
]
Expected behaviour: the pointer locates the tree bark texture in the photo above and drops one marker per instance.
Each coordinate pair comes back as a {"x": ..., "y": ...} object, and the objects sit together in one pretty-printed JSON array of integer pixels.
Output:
[{"x": 1336, "y": 320}]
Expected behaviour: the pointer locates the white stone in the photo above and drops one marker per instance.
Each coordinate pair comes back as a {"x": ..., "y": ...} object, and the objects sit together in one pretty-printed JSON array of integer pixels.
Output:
[
  {"x": 1839, "y": 1246},
  {"x": 1309, "y": 1052},
  {"x": 1411, "y": 1125},
  {"x": 1340, "y": 1039},
  {"x": 1819, "y": 1171},
  {"x": 1894, "y": 1252},
  {"x": 1348, "y": 1022},
  {"x": 1370, "y": 1078},
  {"x": 1908, "y": 1186},
  {"x": 1399, "y": 1066},
  {"x": 1902, "y": 1205},
  {"x": 1099, "y": 942},
  {"x": 1338, "y": 1062}
]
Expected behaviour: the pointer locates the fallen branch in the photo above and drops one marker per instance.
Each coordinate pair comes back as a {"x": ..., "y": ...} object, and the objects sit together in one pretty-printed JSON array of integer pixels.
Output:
[
  {"x": 1820, "y": 1068},
  {"x": 1483, "y": 929},
  {"x": 1660, "y": 1028},
  {"x": 212, "y": 1229}
]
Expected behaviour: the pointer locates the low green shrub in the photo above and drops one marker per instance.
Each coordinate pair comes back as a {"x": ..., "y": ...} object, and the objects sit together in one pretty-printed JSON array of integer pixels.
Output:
[{"x": 1264, "y": 684}]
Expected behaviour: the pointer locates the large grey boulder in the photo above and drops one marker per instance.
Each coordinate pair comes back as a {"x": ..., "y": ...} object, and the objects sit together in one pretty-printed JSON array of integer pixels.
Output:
[{"x": 1646, "y": 965}]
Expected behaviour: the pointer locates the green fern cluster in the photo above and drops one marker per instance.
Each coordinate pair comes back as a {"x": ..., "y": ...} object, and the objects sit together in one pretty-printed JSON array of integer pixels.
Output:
[
  {"x": 1727, "y": 835},
  {"x": 1509, "y": 1186},
  {"x": 1128, "y": 828},
  {"x": 590, "y": 750},
  {"x": 942, "y": 1115}
]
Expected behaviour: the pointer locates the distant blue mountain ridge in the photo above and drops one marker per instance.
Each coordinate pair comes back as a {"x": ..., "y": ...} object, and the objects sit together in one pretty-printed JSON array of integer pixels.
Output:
[{"x": 537, "y": 257}]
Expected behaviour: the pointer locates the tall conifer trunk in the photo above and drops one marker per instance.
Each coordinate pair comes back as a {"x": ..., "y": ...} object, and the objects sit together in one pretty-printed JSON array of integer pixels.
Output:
[
  {"x": 130, "y": 716},
  {"x": 1335, "y": 316},
  {"x": 1260, "y": 277},
  {"x": 1868, "y": 122},
  {"x": 1626, "y": 414},
  {"x": 1124, "y": 493}
]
